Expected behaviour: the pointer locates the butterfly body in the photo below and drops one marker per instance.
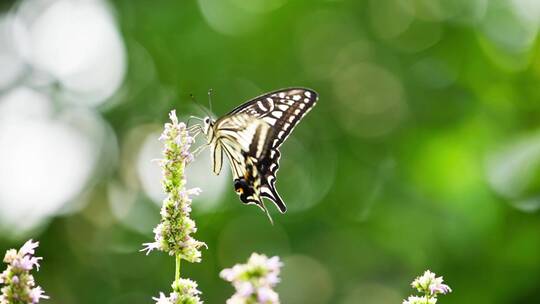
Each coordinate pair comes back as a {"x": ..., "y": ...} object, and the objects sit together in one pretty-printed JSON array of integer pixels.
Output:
[{"x": 250, "y": 136}]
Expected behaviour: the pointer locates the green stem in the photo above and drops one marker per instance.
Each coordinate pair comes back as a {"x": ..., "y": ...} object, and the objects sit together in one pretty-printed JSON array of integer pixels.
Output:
[{"x": 177, "y": 273}]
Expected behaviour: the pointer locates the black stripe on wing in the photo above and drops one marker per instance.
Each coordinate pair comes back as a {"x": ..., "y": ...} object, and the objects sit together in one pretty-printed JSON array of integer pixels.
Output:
[
  {"x": 267, "y": 163},
  {"x": 268, "y": 167}
]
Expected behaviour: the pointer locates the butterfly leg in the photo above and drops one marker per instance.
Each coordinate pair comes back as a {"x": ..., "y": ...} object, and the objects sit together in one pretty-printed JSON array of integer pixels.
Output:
[
  {"x": 195, "y": 133},
  {"x": 199, "y": 150},
  {"x": 194, "y": 128}
]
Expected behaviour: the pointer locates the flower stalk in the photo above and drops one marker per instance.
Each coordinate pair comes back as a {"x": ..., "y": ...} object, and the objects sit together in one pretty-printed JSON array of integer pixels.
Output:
[{"x": 177, "y": 268}]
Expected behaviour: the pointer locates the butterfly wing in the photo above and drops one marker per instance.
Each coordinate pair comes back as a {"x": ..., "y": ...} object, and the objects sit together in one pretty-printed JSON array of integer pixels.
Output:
[
  {"x": 254, "y": 154},
  {"x": 282, "y": 110},
  {"x": 237, "y": 137}
]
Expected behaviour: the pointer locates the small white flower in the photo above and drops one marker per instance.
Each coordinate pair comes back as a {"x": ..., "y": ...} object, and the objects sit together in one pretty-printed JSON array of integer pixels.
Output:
[
  {"x": 267, "y": 295},
  {"x": 236, "y": 299},
  {"x": 29, "y": 247},
  {"x": 36, "y": 294},
  {"x": 162, "y": 299},
  {"x": 10, "y": 256},
  {"x": 244, "y": 289},
  {"x": 149, "y": 247},
  {"x": 173, "y": 117},
  {"x": 431, "y": 286},
  {"x": 430, "y": 283}
]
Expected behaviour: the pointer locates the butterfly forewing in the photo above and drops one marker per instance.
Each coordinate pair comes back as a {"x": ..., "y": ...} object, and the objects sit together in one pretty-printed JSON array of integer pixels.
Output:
[
  {"x": 252, "y": 133},
  {"x": 281, "y": 109}
]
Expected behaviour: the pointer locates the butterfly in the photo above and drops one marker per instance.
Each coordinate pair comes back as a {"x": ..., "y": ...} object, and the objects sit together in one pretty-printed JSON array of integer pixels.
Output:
[{"x": 250, "y": 137}]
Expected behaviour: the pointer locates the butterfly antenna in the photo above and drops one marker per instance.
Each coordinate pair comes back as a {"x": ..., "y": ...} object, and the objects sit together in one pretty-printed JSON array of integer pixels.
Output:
[
  {"x": 199, "y": 105},
  {"x": 210, "y": 99}
]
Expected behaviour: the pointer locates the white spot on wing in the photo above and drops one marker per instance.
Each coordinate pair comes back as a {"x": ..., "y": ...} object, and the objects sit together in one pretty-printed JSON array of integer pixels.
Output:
[
  {"x": 307, "y": 93},
  {"x": 302, "y": 106},
  {"x": 297, "y": 97},
  {"x": 283, "y": 107},
  {"x": 260, "y": 104},
  {"x": 266, "y": 190},
  {"x": 297, "y": 111},
  {"x": 281, "y": 95},
  {"x": 277, "y": 114},
  {"x": 291, "y": 118},
  {"x": 306, "y": 100},
  {"x": 270, "y": 120}
]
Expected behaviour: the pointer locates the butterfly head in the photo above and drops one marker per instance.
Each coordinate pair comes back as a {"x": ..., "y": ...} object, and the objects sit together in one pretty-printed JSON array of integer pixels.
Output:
[{"x": 208, "y": 124}]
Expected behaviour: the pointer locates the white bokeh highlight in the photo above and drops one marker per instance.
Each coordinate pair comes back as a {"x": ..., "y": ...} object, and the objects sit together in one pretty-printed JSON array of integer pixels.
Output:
[
  {"x": 45, "y": 162},
  {"x": 76, "y": 43},
  {"x": 511, "y": 171},
  {"x": 11, "y": 62}
]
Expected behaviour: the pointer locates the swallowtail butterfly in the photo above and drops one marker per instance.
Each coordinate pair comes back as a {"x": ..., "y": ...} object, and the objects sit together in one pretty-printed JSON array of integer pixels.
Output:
[{"x": 250, "y": 137}]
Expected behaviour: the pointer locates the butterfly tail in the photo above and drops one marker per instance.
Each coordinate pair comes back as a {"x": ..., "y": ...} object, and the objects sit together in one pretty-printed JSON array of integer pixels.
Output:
[{"x": 271, "y": 193}]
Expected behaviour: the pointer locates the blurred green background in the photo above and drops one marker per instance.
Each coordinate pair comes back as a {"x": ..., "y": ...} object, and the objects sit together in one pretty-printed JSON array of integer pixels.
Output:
[{"x": 422, "y": 153}]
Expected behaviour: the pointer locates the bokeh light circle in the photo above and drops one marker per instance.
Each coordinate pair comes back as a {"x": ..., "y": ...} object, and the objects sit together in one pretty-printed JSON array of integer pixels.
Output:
[
  {"x": 512, "y": 172},
  {"x": 508, "y": 32},
  {"x": 237, "y": 17},
  {"x": 46, "y": 160},
  {"x": 372, "y": 100},
  {"x": 389, "y": 18},
  {"x": 300, "y": 181},
  {"x": 75, "y": 42},
  {"x": 317, "y": 42},
  {"x": 305, "y": 280}
]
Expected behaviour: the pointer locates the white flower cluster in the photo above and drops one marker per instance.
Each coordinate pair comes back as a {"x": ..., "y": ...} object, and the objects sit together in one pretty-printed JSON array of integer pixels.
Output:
[
  {"x": 254, "y": 281},
  {"x": 173, "y": 233},
  {"x": 20, "y": 286},
  {"x": 186, "y": 292},
  {"x": 431, "y": 286}
]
